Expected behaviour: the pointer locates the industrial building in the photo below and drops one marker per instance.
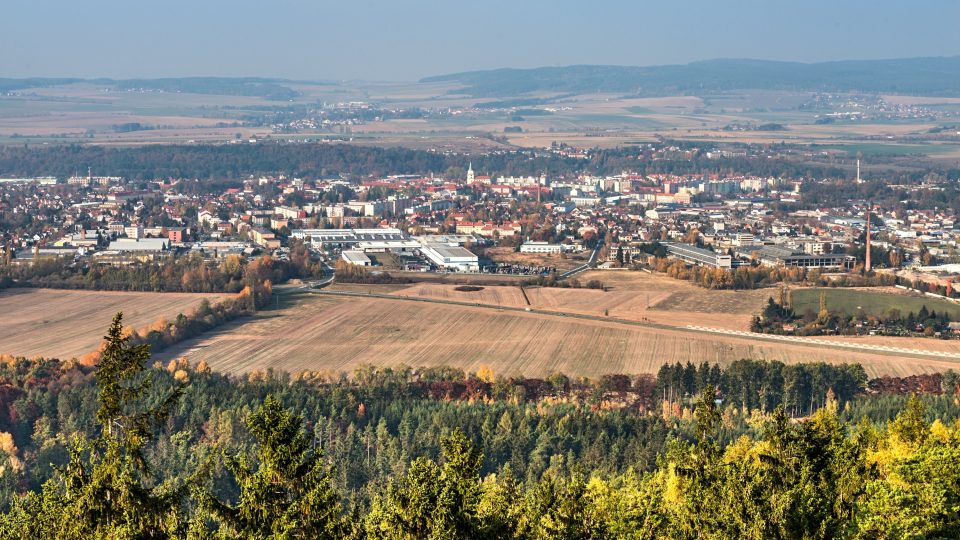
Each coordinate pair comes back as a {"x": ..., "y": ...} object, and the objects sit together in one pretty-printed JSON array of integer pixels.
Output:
[
  {"x": 783, "y": 256},
  {"x": 372, "y": 239},
  {"x": 142, "y": 245},
  {"x": 451, "y": 258},
  {"x": 699, "y": 256},
  {"x": 356, "y": 258}
]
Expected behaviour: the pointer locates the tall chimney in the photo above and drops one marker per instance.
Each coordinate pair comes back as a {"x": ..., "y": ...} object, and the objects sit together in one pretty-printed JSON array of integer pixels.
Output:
[{"x": 866, "y": 264}]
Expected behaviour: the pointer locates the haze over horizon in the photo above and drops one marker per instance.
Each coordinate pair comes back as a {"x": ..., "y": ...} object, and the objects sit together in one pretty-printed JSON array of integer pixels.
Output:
[{"x": 406, "y": 40}]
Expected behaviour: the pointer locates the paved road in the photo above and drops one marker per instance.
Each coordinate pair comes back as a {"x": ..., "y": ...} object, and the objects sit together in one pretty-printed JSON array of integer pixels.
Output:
[
  {"x": 583, "y": 267},
  {"x": 793, "y": 340},
  {"x": 328, "y": 274}
]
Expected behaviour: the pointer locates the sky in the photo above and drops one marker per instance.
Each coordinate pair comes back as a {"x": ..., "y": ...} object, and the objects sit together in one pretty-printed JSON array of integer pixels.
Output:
[{"x": 404, "y": 40}]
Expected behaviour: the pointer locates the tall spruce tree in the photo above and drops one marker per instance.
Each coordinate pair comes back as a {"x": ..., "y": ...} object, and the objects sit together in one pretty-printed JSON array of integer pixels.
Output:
[
  {"x": 288, "y": 495},
  {"x": 433, "y": 501},
  {"x": 107, "y": 489}
]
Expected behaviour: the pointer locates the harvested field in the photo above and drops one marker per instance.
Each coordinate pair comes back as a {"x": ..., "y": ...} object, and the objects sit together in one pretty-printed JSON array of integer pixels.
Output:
[
  {"x": 634, "y": 296},
  {"x": 340, "y": 333},
  {"x": 492, "y": 295},
  {"x": 461, "y": 279},
  {"x": 65, "y": 324},
  {"x": 366, "y": 288},
  {"x": 721, "y": 302}
]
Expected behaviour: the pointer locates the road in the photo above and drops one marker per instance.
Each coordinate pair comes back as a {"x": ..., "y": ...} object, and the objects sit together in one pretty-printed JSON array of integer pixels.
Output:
[
  {"x": 328, "y": 275},
  {"x": 793, "y": 340},
  {"x": 583, "y": 267}
]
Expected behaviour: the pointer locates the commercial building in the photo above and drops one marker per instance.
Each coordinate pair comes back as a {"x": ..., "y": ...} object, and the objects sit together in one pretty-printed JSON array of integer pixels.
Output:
[
  {"x": 783, "y": 256},
  {"x": 356, "y": 258},
  {"x": 544, "y": 247},
  {"x": 699, "y": 256},
  {"x": 264, "y": 238},
  {"x": 451, "y": 258}
]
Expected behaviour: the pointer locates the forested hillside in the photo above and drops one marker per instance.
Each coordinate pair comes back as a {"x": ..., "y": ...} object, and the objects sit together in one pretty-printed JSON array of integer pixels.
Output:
[
  {"x": 130, "y": 449},
  {"x": 329, "y": 160},
  {"x": 925, "y": 76}
]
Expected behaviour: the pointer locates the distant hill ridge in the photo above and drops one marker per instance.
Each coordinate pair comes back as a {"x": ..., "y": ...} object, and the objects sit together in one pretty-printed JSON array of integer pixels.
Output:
[
  {"x": 934, "y": 76},
  {"x": 226, "y": 86}
]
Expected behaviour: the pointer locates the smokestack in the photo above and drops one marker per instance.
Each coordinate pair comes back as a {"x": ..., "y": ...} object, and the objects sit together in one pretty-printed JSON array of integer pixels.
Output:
[
  {"x": 866, "y": 264},
  {"x": 858, "y": 171}
]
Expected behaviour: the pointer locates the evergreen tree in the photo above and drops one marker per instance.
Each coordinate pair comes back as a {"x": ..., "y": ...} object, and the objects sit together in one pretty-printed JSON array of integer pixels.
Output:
[
  {"x": 431, "y": 501},
  {"x": 911, "y": 424},
  {"x": 288, "y": 495},
  {"x": 107, "y": 489}
]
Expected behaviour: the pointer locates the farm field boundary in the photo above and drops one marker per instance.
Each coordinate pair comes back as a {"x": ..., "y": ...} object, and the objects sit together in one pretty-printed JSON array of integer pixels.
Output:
[{"x": 877, "y": 349}]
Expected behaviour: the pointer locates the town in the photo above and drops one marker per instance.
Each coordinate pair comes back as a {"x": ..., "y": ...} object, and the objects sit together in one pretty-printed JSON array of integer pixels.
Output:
[{"x": 490, "y": 222}]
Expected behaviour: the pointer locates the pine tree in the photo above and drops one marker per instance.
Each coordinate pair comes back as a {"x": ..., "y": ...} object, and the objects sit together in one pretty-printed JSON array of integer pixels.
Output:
[
  {"x": 706, "y": 415},
  {"x": 431, "y": 501},
  {"x": 107, "y": 489},
  {"x": 911, "y": 424},
  {"x": 289, "y": 495}
]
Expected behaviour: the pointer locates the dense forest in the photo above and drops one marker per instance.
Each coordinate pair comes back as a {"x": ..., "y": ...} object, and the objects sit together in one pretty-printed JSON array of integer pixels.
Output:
[
  {"x": 327, "y": 160},
  {"x": 132, "y": 449}
]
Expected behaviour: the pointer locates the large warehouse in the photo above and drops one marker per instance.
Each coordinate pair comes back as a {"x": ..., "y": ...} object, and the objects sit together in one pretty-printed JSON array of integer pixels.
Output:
[
  {"x": 451, "y": 258},
  {"x": 367, "y": 240},
  {"x": 783, "y": 256},
  {"x": 699, "y": 256}
]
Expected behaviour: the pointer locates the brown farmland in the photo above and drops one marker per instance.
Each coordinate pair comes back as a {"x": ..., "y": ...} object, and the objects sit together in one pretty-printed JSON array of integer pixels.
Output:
[
  {"x": 65, "y": 324},
  {"x": 340, "y": 333},
  {"x": 635, "y": 296}
]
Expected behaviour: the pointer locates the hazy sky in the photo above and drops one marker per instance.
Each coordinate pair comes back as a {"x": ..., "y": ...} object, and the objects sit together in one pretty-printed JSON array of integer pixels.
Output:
[{"x": 409, "y": 39}]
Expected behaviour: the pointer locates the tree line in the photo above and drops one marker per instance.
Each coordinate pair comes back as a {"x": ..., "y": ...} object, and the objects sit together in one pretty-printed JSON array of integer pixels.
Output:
[
  {"x": 372, "y": 428},
  {"x": 320, "y": 160},
  {"x": 191, "y": 272},
  {"x": 780, "y": 318}
]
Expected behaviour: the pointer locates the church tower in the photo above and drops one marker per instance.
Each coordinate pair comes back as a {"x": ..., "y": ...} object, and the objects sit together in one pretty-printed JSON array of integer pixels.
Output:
[{"x": 470, "y": 173}]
